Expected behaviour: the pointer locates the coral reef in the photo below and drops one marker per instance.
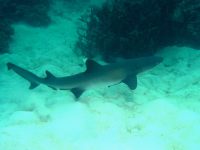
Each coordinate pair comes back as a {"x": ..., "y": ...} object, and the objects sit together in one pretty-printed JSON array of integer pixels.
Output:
[{"x": 124, "y": 28}]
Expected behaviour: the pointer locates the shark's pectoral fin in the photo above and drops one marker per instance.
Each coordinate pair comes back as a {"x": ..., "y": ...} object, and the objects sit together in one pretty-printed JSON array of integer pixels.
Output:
[
  {"x": 131, "y": 81},
  {"x": 91, "y": 65},
  {"x": 77, "y": 92},
  {"x": 33, "y": 85},
  {"x": 49, "y": 75}
]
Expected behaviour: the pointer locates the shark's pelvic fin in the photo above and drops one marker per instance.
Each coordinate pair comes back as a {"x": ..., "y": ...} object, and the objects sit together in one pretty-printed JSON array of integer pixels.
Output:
[
  {"x": 77, "y": 92},
  {"x": 91, "y": 65},
  {"x": 49, "y": 75},
  {"x": 33, "y": 85},
  {"x": 131, "y": 81}
]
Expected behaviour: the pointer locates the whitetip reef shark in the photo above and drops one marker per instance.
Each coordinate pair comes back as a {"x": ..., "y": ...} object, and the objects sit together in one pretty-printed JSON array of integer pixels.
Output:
[{"x": 124, "y": 71}]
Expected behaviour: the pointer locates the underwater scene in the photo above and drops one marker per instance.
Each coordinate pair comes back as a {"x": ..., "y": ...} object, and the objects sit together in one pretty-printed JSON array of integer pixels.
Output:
[{"x": 99, "y": 74}]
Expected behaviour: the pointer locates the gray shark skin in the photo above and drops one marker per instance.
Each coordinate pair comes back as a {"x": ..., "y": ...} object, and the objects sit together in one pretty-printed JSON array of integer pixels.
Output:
[{"x": 95, "y": 74}]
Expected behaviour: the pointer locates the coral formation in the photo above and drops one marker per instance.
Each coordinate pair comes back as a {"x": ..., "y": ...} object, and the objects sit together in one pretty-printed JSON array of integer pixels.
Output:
[{"x": 124, "y": 28}]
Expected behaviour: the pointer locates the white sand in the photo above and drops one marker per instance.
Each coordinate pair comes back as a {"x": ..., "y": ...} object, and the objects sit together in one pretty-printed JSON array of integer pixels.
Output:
[{"x": 163, "y": 113}]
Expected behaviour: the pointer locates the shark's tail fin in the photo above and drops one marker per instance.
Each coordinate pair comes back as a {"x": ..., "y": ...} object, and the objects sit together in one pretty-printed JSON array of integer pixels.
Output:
[{"x": 29, "y": 76}]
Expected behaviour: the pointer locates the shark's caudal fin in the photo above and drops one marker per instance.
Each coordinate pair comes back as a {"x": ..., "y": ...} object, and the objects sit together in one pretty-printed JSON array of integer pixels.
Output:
[{"x": 29, "y": 76}]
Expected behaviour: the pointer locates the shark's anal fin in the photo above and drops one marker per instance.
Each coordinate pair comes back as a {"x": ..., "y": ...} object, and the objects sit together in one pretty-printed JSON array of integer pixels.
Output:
[
  {"x": 131, "y": 81},
  {"x": 33, "y": 85},
  {"x": 77, "y": 92},
  {"x": 91, "y": 65}
]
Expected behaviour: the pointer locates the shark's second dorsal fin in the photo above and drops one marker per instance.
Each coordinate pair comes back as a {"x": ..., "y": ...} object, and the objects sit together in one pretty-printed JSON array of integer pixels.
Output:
[
  {"x": 49, "y": 75},
  {"x": 91, "y": 65}
]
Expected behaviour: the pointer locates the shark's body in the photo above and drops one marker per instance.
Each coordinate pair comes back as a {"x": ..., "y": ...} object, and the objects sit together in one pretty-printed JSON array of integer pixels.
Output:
[{"x": 95, "y": 74}]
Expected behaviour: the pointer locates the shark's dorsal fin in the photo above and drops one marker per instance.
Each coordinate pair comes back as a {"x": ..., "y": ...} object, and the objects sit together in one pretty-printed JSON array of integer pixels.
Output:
[
  {"x": 91, "y": 65},
  {"x": 49, "y": 75}
]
